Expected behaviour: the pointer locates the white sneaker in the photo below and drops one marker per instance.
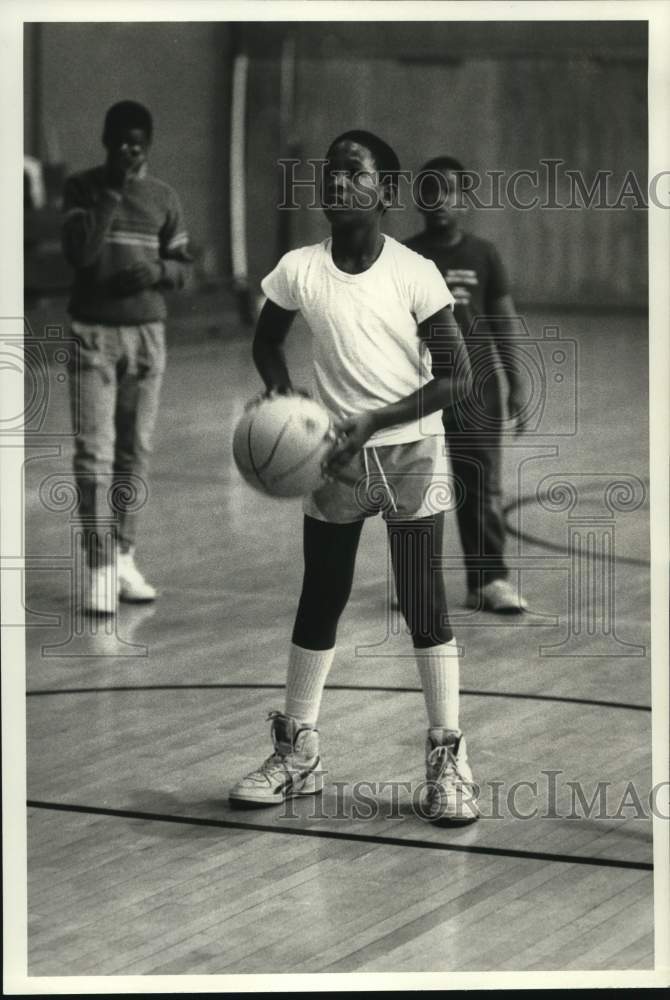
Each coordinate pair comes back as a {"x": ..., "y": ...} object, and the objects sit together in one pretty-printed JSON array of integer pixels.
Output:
[
  {"x": 292, "y": 770},
  {"x": 132, "y": 585},
  {"x": 101, "y": 591},
  {"x": 498, "y": 596},
  {"x": 451, "y": 792}
]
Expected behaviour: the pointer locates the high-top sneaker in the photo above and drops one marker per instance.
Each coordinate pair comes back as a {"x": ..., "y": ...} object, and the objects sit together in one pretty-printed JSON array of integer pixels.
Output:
[
  {"x": 499, "y": 596},
  {"x": 101, "y": 590},
  {"x": 451, "y": 793},
  {"x": 132, "y": 585},
  {"x": 293, "y": 768}
]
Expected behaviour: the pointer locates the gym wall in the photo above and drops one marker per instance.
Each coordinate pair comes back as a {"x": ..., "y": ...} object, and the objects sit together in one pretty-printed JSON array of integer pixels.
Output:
[
  {"x": 181, "y": 71},
  {"x": 499, "y": 96}
]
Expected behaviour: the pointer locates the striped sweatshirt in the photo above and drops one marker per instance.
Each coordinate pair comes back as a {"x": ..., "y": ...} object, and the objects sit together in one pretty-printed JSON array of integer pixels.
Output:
[{"x": 106, "y": 231}]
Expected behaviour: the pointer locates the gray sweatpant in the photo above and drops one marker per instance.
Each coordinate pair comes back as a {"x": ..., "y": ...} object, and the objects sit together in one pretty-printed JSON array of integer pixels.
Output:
[{"x": 115, "y": 387}]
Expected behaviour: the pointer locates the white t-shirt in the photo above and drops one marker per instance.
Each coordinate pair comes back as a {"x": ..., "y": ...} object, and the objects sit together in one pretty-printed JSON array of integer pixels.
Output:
[{"x": 366, "y": 352}]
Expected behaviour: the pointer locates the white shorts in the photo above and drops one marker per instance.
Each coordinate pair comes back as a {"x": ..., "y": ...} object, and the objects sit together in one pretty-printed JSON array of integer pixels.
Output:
[{"x": 400, "y": 481}]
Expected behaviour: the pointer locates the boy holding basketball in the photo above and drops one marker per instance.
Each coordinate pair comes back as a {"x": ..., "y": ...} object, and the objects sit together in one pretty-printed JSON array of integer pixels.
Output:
[{"x": 380, "y": 314}]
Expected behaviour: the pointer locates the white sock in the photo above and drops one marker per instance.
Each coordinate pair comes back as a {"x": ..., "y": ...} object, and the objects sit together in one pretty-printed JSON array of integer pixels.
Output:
[
  {"x": 307, "y": 673},
  {"x": 439, "y": 673}
]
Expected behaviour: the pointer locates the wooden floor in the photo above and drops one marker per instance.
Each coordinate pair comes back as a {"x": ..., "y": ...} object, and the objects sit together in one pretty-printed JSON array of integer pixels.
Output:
[{"x": 137, "y": 864}]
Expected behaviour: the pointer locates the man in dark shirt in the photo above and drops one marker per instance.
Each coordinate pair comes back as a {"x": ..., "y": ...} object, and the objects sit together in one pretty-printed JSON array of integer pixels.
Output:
[
  {"x": 485, "y": 312},
  {"x": 125, "y": 238}
]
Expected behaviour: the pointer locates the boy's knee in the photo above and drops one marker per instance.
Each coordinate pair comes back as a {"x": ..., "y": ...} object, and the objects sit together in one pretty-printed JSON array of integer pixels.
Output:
[
  {"x": 427, "y": 620},
  {"x": 439, "y": 633}
]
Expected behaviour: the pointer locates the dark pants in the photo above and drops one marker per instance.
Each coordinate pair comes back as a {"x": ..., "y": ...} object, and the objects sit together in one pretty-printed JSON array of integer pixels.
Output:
[
  {"x": 330, "y": 555},
  {"x": 473, "y": 435},
  {"x": 114, "y": 392}
]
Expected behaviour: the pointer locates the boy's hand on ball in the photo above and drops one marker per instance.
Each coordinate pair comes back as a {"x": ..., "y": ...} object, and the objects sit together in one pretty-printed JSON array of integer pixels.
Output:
[
  {"x": 287, "y": 390},
  {"x": 274, "y": 392},
  {"x": 352, "y": 435}
]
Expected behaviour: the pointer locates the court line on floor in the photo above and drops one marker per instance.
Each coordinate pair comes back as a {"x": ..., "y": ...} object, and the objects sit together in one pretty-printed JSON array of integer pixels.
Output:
[
  {"x": 469, "y": 692},
  {"x": 359, "y": 838}
]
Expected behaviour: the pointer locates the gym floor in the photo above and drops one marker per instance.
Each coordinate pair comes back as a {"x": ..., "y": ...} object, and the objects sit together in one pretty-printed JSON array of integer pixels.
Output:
[{"x": 137, "y": 729}]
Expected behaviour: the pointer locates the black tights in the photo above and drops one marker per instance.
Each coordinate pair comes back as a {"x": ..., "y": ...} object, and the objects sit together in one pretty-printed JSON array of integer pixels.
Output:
[{"x": 330, "y": 556}]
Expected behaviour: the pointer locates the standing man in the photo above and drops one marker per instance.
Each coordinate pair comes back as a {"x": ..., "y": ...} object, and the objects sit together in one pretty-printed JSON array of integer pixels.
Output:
[
  {"x": 124, "y": 235},
  {"x": 485, "y": 312}
]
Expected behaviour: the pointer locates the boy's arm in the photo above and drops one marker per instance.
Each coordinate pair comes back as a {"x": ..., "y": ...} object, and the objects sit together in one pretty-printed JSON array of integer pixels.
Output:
[
  {"x": 452, "y": 381},
  {"x": 171, "y": 268},
  {"x": 509, "y": 333},
  {"x": 268, "y": 347},
  {"x": 86, "y": 224},
  {"x": 175, "y": 260}
]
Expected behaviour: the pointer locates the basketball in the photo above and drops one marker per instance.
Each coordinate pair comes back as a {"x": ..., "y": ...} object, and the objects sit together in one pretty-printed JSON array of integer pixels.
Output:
[{"x": 280, "y": 443}]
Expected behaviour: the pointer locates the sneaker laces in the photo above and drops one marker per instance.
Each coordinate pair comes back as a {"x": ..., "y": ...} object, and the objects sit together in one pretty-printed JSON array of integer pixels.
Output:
[
  {"x": 444, "y": 757},
  {"x": 276, "y": 762},
  {"x": 273, "y": 765}
]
